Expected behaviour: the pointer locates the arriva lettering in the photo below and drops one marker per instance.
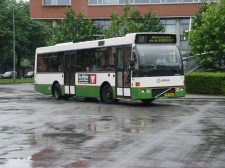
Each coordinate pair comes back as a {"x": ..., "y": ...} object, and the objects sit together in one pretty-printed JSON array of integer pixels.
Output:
[{"x": 162, "y": 80}]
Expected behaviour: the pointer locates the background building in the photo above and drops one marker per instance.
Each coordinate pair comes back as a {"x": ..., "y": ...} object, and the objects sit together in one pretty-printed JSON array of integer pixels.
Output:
[{"x": 174, "y": 14}]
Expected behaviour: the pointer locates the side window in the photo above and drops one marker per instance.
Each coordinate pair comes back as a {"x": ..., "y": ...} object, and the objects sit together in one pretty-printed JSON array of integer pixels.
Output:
[
  {"x": 61, "y": 62},
  {"x": 127, "y": 57},
  {"x": 52, "y": 62},
  {"x": 41, "y": 63},
  {"x": 84, "y": 61},
  {"x": 104, "y": 59},
  {"x": 99, "y": 59},
  {"x": 110, "y": 59}
]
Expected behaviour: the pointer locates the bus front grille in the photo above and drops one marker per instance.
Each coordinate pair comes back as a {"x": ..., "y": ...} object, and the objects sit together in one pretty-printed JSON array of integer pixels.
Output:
[{"x": 161, "y": 92}]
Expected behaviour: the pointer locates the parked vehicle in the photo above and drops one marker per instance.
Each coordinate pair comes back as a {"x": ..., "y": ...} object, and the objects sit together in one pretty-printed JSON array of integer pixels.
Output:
[
  {"x": 9, "y": 75},
  {"x": 29, "y": 74}
]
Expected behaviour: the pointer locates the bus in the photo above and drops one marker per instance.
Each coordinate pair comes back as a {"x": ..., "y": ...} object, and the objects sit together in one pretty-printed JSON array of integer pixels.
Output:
[{"x": 138, "y": 66}]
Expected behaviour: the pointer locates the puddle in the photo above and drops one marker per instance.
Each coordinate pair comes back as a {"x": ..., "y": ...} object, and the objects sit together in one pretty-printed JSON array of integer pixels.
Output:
[
  {"x": 68, "y": 138},
  {"x": 18, "y": 163},
  {"x": 106, "y": 118}
]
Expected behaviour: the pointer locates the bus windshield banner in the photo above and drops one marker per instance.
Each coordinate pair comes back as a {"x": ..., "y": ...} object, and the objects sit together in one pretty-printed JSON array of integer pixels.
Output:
[{"x": 156, "y": 38}]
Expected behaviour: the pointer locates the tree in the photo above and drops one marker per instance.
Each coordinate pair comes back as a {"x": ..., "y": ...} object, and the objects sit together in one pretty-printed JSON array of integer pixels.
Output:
[
  {"x": 5, "y": 33},
  {"x": 131, "y": 22},
  {"x": 150, "y": 23},
  {"x": 75, "y": 28},
  {"x": 208, "y": 36},
  {"x": 29, "y": 34},
  {"x": 197, "y": 20}
]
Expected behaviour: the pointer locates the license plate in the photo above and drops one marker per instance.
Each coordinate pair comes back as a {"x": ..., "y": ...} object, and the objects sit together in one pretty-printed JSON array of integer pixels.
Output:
[{"x": 169, "y": 94}]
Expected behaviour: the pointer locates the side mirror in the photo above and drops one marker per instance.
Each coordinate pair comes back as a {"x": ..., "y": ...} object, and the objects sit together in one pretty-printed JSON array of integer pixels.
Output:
[{"x": 131, "y": 64}]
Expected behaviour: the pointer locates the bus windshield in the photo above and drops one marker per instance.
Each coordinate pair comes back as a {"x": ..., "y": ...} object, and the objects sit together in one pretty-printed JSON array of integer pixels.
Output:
[{"x": 158, "y": 60}]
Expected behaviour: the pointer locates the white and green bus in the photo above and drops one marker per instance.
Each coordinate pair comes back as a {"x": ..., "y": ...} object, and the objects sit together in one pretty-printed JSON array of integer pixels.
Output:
[{"x": 138, "y": 66}]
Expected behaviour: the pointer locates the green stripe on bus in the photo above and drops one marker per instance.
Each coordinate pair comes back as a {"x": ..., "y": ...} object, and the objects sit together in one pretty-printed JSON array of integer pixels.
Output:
[
  {"x": 88, "y": 91},
  {"x": 137, "y": 94},
  {"x": 46, "y": 89}
]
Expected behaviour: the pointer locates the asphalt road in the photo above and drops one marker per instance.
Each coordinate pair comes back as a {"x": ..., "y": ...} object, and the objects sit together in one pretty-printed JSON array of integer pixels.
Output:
[{"x": 37, "y": 131}]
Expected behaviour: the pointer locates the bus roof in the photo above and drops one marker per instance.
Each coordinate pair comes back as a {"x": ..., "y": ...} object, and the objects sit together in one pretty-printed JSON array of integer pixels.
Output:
[{"x": 125, "y": 40}]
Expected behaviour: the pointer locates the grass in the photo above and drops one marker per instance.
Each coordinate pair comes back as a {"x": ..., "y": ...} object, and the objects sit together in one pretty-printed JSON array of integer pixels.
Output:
[{"x": 22, "y": 80}]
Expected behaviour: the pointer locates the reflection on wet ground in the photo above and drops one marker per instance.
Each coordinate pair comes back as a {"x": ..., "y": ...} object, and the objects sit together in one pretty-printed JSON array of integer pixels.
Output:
[{"x": 39, "y": 131}]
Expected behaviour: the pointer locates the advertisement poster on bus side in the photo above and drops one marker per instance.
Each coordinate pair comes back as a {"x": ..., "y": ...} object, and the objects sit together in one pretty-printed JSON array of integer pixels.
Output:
[{"x": 87, "y": 78}]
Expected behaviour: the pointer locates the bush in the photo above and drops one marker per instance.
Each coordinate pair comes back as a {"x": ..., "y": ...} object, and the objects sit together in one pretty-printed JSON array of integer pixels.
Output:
[{"x": 205, "y": 83}]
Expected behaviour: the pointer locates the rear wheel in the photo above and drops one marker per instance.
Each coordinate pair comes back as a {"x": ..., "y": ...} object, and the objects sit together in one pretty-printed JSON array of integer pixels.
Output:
[
  {"x": 147, "y": 101},
  {"x": 107, "y": 95},
  {"x": 57, "y": 91}
]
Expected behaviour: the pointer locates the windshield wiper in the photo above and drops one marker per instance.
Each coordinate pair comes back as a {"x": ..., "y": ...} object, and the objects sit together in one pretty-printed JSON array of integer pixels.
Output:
[{"x": 165, "y": 66}]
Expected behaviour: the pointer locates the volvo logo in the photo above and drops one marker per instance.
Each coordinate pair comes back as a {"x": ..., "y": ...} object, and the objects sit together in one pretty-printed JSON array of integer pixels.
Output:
[{"x": 162, "y": 80}]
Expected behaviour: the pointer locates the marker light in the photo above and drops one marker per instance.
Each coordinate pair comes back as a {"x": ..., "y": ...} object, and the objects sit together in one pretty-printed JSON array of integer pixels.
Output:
[
  {"x": 179, "y": 89},
  {"x": 137, "y": 84}
]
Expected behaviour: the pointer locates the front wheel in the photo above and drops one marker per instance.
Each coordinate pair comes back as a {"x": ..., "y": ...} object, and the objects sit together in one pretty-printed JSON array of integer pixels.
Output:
[
  {"x": 147, "y": 101},
  {"x": 57, "y": 91},
  {"x": 107, "y": 95}
]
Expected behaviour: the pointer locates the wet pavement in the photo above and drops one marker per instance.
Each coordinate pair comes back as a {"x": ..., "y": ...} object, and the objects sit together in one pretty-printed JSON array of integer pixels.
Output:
[{"x": 37, "y": 131}]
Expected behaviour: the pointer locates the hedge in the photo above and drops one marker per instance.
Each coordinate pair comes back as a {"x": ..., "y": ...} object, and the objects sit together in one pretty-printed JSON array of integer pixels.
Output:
[{"x": 205, "y": 83}]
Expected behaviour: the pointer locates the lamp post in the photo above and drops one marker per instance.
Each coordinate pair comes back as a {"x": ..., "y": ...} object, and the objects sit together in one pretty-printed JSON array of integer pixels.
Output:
[{"x": 14, "y": 48}]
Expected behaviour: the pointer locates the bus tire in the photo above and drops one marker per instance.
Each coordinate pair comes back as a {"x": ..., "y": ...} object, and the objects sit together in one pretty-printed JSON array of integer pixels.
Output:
[
  {"x": 107, "y": 95},
  {"x": 57, "y": 91},
  {"x": 147, "y": 101}
]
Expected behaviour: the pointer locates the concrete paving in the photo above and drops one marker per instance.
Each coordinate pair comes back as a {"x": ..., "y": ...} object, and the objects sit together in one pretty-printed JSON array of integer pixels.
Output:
[
  {"x": 37, "y": 131},
  {"x": 203, "y": 96}
]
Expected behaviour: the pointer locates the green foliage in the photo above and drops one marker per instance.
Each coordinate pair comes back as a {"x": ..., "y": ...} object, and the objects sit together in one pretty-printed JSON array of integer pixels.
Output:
[
  {"x": 205, "y": 83},
  {"x": 208, "y": 35},
  {"x": 197, "y": 20},
  {"x": 75, "y": 28},
  {"x": 26, "y": 63},
  {"x": 113, "y": 30},
  {"x": 5, "y": 33},
  {"x": 150, "y": 23},
  {"x": 29, "y": 34},
  {"x": 131, "y": 22}
]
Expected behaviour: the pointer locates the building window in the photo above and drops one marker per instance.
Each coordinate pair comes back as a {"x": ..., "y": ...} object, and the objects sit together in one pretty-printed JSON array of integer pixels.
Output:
[
  {"x": 123, "y": 2},
  {"x": 155, "y": 1},
  {"x": 110, "y": 2},
  {"x": 63, "y": 2},
  {"x": 184, "y": 26},
  {"x": 169, "y": 25},
  {"x": 100, "y": 1},
  {"x": 175, "y": 1},
  {"x": 56, "y": 2},
  {"x": 103, "y": 23},
  {"x": 47, "y": 2},
  {"x": 92, "y": 2},
  {"x": 141, "y": 1},
  {"x": 189, "y": 1}
]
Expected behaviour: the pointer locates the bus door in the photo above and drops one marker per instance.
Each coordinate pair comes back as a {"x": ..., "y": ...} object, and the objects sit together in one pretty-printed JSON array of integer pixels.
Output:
[
  {"x": 123, "y": 80},
  {"x": 69, "y": 73}
]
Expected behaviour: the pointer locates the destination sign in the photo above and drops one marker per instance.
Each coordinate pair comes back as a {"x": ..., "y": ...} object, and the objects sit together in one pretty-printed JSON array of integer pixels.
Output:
[{"x": 156, "y": 38}]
